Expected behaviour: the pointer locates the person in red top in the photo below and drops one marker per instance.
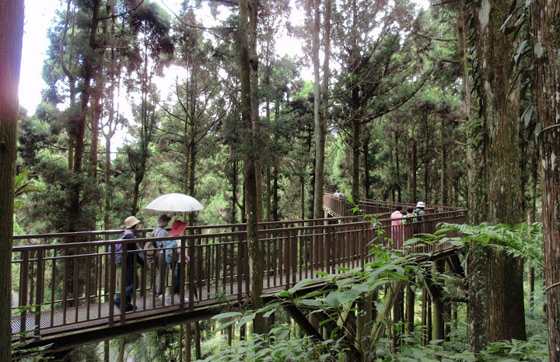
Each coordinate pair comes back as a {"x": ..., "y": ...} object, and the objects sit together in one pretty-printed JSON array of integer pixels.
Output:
[{"x": 397, "y": 227}]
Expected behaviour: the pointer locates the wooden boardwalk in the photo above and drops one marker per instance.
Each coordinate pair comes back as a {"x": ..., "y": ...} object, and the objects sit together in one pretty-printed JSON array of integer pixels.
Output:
[{"x": 67, "y": 284}]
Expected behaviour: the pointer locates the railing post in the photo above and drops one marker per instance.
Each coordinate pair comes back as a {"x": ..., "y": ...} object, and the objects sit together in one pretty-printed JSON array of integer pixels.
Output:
[
  {"x": 240, "y": 270},
  {"x": 40, "y": 292},
  {"x": 287, "y": 259},
  {"x": 193, "y": 263},
  {"x": 112, "y": 280},
  {"x": 24, "y": 274},
  {"x": 294, "y": 242},
  {"x": 330, "y": 250},
  {"x": 182, "y": 275}
]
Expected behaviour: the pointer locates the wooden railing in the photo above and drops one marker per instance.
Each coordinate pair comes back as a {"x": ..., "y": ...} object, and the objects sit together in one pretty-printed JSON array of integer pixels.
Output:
[{"x": 72, "y": 285}]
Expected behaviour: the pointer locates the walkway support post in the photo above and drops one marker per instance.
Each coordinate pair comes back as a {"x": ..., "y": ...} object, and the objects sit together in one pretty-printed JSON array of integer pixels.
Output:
[{"x": 439, "y": 305}]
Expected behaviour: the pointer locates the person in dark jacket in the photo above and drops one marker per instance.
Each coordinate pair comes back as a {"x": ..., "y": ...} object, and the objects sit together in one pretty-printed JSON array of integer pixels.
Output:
[{"x": 131, "y": 226}]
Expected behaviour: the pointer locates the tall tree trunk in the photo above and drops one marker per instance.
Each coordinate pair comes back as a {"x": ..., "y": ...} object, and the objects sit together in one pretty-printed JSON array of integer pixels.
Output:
[
  {"x": 233, "y": 181},
  {"x": 71, "y": 76},
  {"x": 275, "y": 195},
  {"x": 108, "y": 187},
  {"x": 427, "y": 160},
  {"x": 250, "y": 169},
  {"x": 366, "y": 151},
  {"x": 355, "y": 118},
  {"x": 192, "y": 170},
  {"x": 497, "y": 110},
  {"x": 546, "y": 43},
  {"x": 443, "y": 178},
  {"x": 414, "y": 169},
  {"x": 11, "y": 35},
  {"x": 79, "y": 124},
  {"x": 320, "y": 127},
  {"x": 302, "y": 193},
  {"x": 89, "y": 73},
  {"x": 268, "y": 70},
  {"x": 255, "y": 118},
  {"x": 476, "y": 319},
  {"x": 397, "y": 168},
  {"x": 326, "y": 69},
  {"x": 97, "y": 109},
  {"x": 114, "y": 82},
  {"x": 356, "y": 160}
]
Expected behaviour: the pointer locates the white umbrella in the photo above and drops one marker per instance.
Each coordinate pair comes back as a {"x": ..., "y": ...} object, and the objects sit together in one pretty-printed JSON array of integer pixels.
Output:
[{"x": 175, "y": 202}]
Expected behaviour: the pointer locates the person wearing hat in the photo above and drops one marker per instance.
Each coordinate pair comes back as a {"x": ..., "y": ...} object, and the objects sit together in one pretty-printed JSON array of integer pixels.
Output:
[
  {"x": 172, "y": 257},
  {"x": 158, "y": 259},
  {"x": 419, "y": 208},
  {"x": 131, "y": 226}
]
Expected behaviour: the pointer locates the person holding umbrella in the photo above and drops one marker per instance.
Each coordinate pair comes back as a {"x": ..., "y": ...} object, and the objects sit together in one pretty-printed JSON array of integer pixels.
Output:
[
  {"x": 175, "y": 202},
  {"x": 158, "y": 259},
  {"x": 173, "y": 259}
]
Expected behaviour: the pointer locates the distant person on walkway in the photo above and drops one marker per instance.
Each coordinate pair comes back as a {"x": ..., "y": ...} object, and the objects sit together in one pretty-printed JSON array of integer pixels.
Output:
[
  {"x": 337, "y": 195},
  {"x": 409, "y": 214},
  {"x": 419, "y": 208},
  {"x": 173, "y": 259},
  {"x": 397, "y": 227},
  {"x": 131, "y": 226},
  {"x": 419, "y": 211},
  {"x": 158, "y": 255},
  {"x": 408, "y": 219}
]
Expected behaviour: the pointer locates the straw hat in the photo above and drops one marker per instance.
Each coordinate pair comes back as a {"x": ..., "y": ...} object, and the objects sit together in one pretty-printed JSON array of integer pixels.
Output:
[{"x": 131, "y": 221}]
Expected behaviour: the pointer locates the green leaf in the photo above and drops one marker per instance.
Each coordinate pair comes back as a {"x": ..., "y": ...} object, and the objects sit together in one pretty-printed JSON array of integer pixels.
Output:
[
  {"x": 298, "y": 286},
  {"x": 246, "y": 319},
  {"x": 348, "y": 296},
  {"x": 311, "y": 303},
  {"x": 222, "y": 326},
  {"x": 397, "y": 275},
  {"x": 227, "y": 315},
  {"x": 332, "y": 299}
]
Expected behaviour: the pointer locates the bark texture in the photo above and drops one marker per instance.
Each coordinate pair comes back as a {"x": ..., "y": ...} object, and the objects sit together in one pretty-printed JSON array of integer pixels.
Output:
[
  {"x": 255, "y": 268},
  {"x": 545, "y": 33},
  {"x": 319, "y": 122},
  {"x": 495, "y": 308},
  {"x": 11, "y": 34}
]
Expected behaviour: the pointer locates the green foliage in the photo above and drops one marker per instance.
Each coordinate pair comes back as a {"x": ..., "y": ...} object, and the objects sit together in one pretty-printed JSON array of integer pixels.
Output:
[
  {"x": 386, "y": 274},
  {"x": 535, "y": 349},
  {"x": 522, "y": 240},
  {"x": 23, "y": 186},
  {"x": 432, "y": 352},
  {"x": 278, "y": 346}
]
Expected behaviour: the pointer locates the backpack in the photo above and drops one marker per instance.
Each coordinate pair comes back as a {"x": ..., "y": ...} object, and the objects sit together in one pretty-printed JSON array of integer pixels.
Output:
[
  {"x": 118, "y": 249},
  {"x": 171, "y": 253},
  {"x": 151, "y": 247}
]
